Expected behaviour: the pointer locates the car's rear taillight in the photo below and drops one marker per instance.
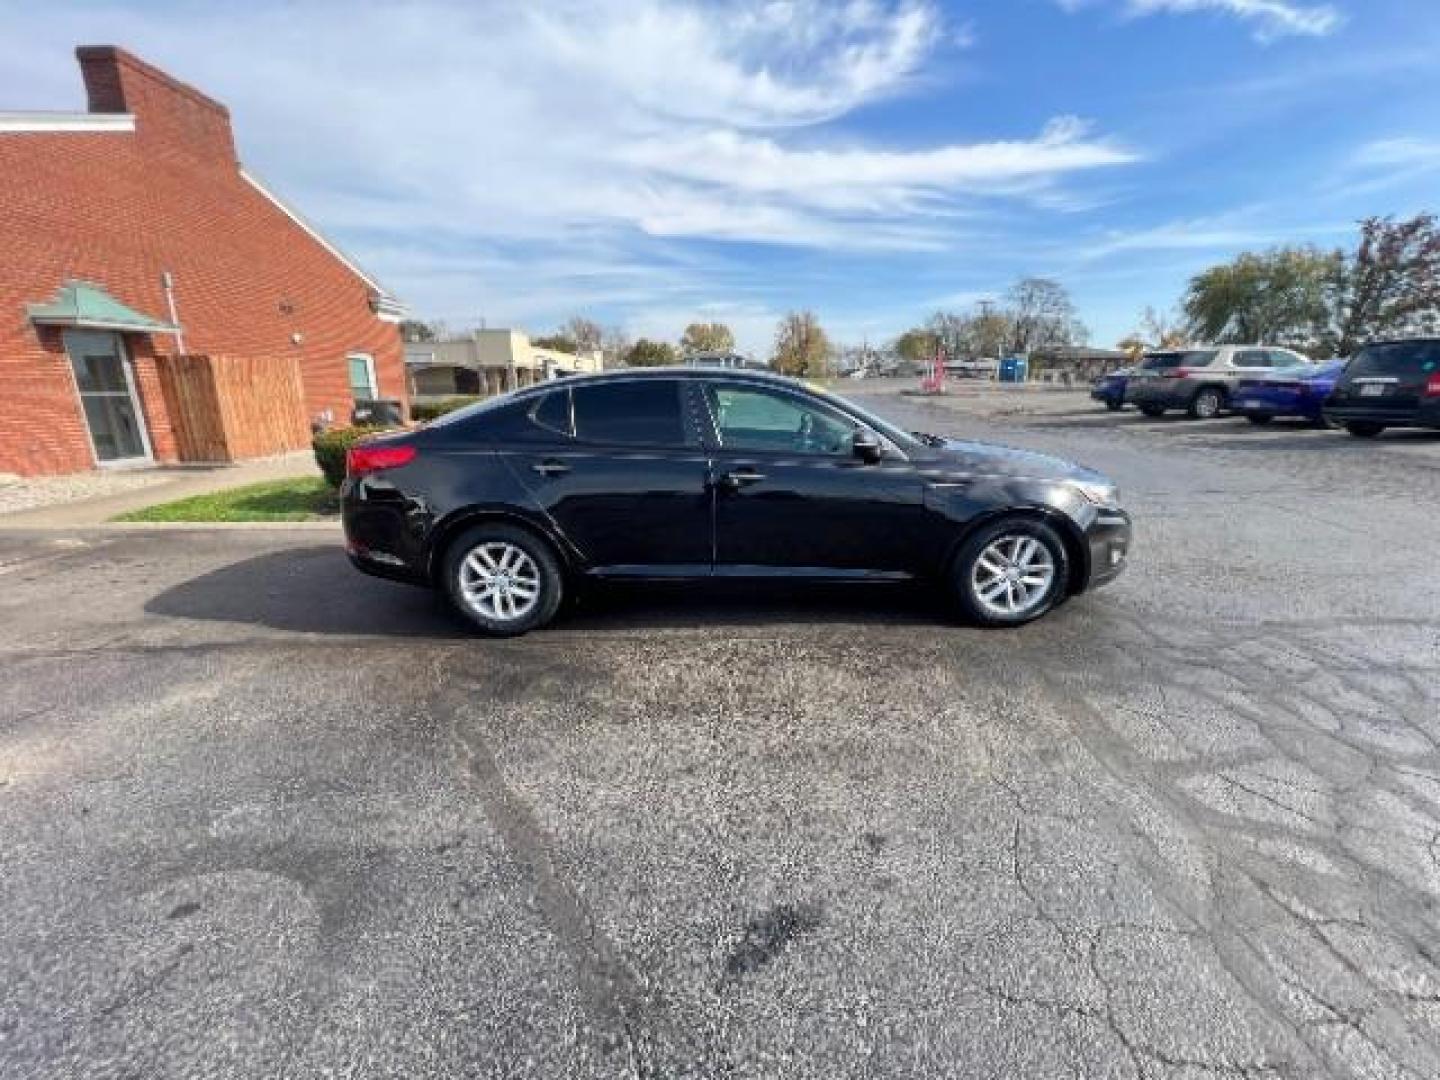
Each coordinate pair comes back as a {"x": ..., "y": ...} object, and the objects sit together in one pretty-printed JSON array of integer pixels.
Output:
[
  {"x": 362, "y": 459},
  {"x": 1432, "y": 385},
  {"x": 1182, "y": 372}
]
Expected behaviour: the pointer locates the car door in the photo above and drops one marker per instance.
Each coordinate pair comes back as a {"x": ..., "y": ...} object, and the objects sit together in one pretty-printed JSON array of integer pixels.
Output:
[
  {"x": 792, "y": 497},
  {"x": 622, "y": 474}
]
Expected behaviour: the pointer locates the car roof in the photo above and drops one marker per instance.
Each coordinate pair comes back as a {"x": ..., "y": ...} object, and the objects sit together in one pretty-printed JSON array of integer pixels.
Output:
[{"x": 671, "y": 371}]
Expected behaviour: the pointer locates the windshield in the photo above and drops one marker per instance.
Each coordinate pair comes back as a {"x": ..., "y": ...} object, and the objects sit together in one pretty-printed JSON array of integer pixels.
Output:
[
  {"x": 1188, "y": 358},
  {"x": 1405, "y": 358}
]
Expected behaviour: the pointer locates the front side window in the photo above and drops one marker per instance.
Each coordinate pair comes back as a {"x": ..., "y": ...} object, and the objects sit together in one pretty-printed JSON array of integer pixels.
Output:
[
  {"x": 753, "y": 419},
  {"x": 635, "y": 412}
]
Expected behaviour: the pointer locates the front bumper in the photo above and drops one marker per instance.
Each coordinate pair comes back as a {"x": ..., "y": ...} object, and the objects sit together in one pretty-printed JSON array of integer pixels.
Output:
[
  {"x": 1108, "y": 540},
  {"x": 1165, "y": 396}
]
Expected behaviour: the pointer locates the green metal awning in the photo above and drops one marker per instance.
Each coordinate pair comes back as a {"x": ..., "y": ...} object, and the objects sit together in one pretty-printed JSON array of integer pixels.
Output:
[{"x": 88, "y": 306}]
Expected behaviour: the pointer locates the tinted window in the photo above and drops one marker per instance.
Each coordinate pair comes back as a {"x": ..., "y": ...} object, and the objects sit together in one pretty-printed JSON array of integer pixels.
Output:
[
  {"x": 637, "y": 412},
  {"x": 1252, "y": 358},
  {"x": 553, "y": 412},
  {"x": 1188, "y": 358},
  {"x": 753, "y": 419},
  {"x": 1411, "y": 358}
]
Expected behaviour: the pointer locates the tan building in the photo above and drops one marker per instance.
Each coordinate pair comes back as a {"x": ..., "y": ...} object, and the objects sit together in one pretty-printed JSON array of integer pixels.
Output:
[{"x": 487, "y": 362}]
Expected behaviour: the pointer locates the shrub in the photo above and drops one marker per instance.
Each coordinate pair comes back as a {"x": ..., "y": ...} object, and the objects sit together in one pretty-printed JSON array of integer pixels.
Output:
[
  {"x": 429, "y": 410},
  {"x": 330, "y": 447}
]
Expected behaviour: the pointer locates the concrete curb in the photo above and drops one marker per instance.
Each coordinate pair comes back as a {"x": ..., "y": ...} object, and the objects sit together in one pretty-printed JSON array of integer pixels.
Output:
[{"x": 176, "y": 526}]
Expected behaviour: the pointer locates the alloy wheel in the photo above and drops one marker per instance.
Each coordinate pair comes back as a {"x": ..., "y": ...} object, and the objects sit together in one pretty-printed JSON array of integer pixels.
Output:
[
  {"x": 500, "y": 581},
  {"x": 1013, "y": 575}
]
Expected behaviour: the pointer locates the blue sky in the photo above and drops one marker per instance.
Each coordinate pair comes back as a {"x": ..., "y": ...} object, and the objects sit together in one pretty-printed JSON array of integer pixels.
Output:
[{"x": 650, "y": 162}]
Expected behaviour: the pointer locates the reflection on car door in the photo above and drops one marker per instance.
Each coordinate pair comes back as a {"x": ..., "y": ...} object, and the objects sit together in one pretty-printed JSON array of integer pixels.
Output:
[
  {"x": 790, "y": 493},
  {"x": 619, "y": 468}
]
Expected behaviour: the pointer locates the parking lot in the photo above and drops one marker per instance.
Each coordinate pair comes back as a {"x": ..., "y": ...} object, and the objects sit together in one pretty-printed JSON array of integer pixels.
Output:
[{"x": 263, "y": 817}]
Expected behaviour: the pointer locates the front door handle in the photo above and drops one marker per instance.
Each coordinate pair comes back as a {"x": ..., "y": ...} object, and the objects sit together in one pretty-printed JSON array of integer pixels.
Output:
[
  {"x": 551, "y": 468},
  {"x": 738, "y": 478}
]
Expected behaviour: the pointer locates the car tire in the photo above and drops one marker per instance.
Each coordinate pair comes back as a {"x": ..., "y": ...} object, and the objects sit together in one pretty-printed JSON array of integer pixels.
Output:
[
  {"x": 1153, "y": 411},
  {"x": 1207, "y": 404},
  {"x": 1323, "y": 423},
  {"x": 1260, "y": 419},
  {"x": 1114, "y": 406},
  {"x": 996, "y": 573},
  {"x": 524, "y": 580},
  {"x": 1364, "y": 429}
]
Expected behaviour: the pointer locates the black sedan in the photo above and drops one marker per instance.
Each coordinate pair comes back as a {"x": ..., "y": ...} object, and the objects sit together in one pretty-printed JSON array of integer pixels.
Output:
[{"x": 684, "y": 474}]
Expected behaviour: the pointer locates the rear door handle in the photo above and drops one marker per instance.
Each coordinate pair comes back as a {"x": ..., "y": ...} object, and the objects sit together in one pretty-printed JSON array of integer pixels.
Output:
[
  {"x": 738, "y": 478},
  {"x": 551, "y": 468}
]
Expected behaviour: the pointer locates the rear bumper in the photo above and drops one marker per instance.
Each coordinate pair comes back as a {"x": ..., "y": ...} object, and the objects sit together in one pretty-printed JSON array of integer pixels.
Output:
[
  {"x": 1425, "y": 415},
  {"x": 1108, "y": 540}
]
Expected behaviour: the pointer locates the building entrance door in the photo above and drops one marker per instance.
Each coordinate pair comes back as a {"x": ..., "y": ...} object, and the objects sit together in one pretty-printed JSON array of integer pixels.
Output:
[{"x": 106, "y": 382}]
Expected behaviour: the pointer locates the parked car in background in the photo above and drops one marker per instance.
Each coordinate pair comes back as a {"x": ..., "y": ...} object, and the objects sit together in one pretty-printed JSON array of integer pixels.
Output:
[
  {"x": 1389, "y": 384},
  {"x": 1201, "y": 381},
  {"x": 682, "y": 474},
  {"x": 1109, "y": 389},
  {"x": 1299, "y": 391}
]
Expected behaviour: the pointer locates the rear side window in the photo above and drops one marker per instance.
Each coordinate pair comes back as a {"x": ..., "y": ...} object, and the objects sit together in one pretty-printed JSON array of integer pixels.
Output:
[
  {"x": 553, "y": 412},
  {"x": 1409, "y": 358},
  {"x": 1252, "y": 358},
  {"x": 1187, "y": 358},
  {"x": 636, "y": 412}
]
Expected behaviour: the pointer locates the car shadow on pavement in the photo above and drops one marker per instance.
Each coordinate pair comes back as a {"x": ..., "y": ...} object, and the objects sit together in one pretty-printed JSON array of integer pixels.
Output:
[
  {"x": 307, "y": 590},
  {"x": 314, "y": 590}
]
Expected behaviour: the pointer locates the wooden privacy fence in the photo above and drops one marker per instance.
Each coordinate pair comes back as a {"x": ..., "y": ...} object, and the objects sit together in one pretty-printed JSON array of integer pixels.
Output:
[{"x": 224, "y": 408}]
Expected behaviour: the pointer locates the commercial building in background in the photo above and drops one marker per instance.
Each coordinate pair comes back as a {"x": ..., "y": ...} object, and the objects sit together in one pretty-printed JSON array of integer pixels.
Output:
[
  {"x": 488, "y": 362},
  {"x": 131, "y": 235}
]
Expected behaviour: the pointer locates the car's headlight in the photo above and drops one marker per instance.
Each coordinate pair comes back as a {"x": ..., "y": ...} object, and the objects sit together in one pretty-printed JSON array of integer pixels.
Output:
[{"x": 1098, "y": 493}]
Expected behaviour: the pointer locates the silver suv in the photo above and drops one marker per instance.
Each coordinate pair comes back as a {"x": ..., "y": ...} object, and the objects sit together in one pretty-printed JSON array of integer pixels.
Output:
[{"x": 1200, "y": 381}]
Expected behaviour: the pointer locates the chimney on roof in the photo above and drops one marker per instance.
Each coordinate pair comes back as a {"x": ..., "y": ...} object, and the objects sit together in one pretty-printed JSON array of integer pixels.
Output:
[{"x": 170, "y": 116}]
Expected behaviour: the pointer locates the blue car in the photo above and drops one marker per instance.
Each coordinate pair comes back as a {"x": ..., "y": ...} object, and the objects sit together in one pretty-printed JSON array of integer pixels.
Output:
[
  {"x": 1296, "y": 391},
  {"x": 1110, "y": 389}
]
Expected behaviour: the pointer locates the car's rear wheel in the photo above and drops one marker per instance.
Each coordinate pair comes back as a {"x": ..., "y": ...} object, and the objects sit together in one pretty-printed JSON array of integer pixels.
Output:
[
  {"x": 503, "y": 580},
  {"x": 1153, "y": 410},
  {"x": 1113, "y": 405},
  {"x": 1206, "y": 404},
  {"x": 1364, "y": 429},
  {"x": 1011, "y": 572},
  {"x": 1259, "y": 419}
]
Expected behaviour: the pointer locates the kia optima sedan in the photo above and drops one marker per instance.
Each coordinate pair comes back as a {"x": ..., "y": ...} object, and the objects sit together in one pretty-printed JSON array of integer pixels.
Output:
[{"x": 683, "y": 474}]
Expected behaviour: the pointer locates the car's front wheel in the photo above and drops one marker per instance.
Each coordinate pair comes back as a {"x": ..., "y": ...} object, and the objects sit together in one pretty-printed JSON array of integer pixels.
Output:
[
  {"x": 1114, "y": 405},
  {"x": 1011, "y": 572},
  {"x": 503, "y": 580},
  {"x": 1364, "y": 429}
]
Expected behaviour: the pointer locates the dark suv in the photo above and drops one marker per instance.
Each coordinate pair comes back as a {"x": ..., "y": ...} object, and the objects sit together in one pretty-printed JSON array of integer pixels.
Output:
[
  {"x": 684, "y": 474},
  {"x": 1388, "y": 384}
]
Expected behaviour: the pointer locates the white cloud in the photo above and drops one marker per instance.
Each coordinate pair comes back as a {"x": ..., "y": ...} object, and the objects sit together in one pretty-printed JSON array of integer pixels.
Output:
[
  {"x": 470, "y": 151},
  {"x": 1271, "y": 18}
]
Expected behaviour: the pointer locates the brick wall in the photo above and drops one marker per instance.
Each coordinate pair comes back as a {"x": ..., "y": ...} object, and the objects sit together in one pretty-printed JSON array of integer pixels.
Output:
[{"x": 120, "y": 209}]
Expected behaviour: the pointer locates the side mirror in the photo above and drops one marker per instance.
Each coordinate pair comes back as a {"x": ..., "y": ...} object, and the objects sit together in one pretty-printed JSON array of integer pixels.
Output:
[{"x": 866, "y": 446}]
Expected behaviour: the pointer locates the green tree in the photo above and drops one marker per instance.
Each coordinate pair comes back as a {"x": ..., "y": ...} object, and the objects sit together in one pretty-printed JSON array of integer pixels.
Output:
[
  {"x": 416, "y": 331},
  {"x": 1278, "y": 297},
  {"x": 917, "y": 345},
  {"x": 801, "y": 347},
  {"x": 1390, "y": 285},
  {"x": 647, "y": 353},
  {"x": 703, "y": 337}
]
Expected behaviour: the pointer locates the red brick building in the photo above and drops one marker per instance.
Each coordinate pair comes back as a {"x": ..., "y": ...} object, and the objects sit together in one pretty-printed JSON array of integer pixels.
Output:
[{"x": 130, "y": 233}]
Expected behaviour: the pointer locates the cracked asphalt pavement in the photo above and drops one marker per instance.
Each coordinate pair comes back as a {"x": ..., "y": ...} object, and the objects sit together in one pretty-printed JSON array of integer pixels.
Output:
[{"x": 263, "y": 817}]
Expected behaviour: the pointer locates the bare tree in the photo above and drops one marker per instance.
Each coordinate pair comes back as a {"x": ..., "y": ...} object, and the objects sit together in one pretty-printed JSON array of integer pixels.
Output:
[
  {"x": 1041, "y": 315},
  {"x": 585, "y": 333},
  {"x": 706, "y": 337}
]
